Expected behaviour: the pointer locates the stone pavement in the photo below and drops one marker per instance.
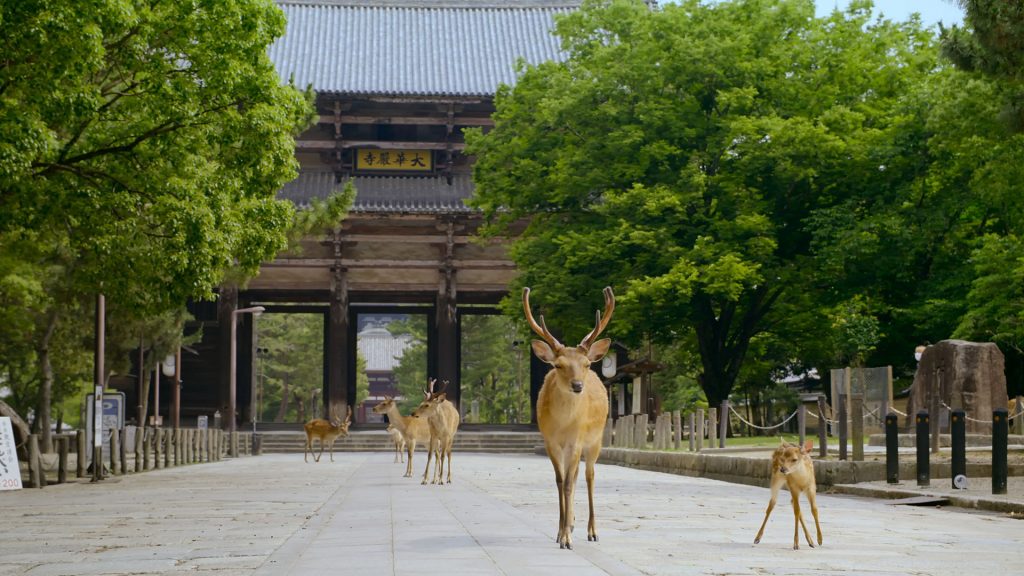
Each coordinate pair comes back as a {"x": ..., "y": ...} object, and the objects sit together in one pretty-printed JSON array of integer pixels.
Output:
[{"x": 274, "y": 514}]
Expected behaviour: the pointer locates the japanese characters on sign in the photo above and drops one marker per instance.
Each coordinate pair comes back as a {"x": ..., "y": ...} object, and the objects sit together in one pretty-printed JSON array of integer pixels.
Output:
[
  {"x": 389, "y": 160},
  {"x": 10, "y": 473}
]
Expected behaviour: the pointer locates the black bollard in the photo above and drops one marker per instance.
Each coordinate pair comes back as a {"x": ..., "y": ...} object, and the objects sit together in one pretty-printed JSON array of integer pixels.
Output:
[
  {"x": 892, "y": 449},
  {"x": 958, "y": 433},
  {"x": 923, "y": 472},
  {"x": 1000, "y": 431}
]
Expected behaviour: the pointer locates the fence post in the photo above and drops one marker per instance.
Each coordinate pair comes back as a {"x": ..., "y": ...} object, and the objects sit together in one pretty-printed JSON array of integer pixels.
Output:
[
  {"x": 1000, "y": 430},
  {"x": 62, "y": 458},
  {"x": 801, "y": 422},
  {"x": 700, "y": 430},
  {"x": 857, "y": 426},
  {"x": 723, "y": 423},
  {"x": 140, "y": 433},
  {"x": 923, "y": 471},
  {"x": 692, "y": 430},
  {"x": 123, "y": 452},
  {"x": 842, "y": 418},
  {"x": 36, "y": 476},
  {"x": 115, "y": 450},
  {"x": 80, "y": 458},
  {"x": 822, "y": 428},
  {"x": 677, "y": 430},
  {"x": 892, "y": 449},
  {"x": 1020, "y": 415},
  {"x": 712, "y": 427},
  {"x": 958, "y": 438}
]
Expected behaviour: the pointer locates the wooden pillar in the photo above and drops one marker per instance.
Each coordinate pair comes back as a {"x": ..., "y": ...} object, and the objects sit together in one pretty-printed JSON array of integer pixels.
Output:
[
  {"x": 447, "y": 358},
  {"x": 339, "y": 347}
]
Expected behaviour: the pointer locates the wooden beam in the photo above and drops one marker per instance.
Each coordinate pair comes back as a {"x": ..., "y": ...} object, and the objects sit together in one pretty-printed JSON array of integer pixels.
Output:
[
  {"x": 385, "y": 144},
  {"x": 414, "y": 239},
  {"x": 408, "y": 120}
]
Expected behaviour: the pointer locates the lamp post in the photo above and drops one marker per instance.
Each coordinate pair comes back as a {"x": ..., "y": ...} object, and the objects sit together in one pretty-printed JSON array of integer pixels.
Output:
[{"x": 232, "y": 386}]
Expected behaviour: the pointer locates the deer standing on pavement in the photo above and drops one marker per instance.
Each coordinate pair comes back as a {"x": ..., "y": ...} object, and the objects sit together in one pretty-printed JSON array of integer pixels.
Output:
[
  {"x": 396, "y": 438},
  {"x": 326, "y": 431},
  {"x": 443, "y": 419},
  {"x": 413, "y": 429},
  {"x": 571, "y": 411}
]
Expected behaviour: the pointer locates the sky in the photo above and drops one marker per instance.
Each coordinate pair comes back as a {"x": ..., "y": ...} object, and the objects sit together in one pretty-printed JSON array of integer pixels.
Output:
[{"x": 932, "y": 11}]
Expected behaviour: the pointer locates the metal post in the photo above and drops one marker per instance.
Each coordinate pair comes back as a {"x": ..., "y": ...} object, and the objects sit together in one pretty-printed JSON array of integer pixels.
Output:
[
  {"x": 1000, "y": 432},
  {"x": 923, "y": 471},
  {"x": 892, "y": 449},
  {"x": 958, "y": 436},
  {"x": 98, "y": 372}
]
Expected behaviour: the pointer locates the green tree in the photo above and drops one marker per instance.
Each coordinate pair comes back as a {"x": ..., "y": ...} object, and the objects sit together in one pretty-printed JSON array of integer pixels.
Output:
[
  {"x": 141, "y": 148},
  {"x": 991, "y": 42},
  {"x": 495, "y": 369},
  {"x": 411, "y": 372},
  {"x": 292, "y": 366},
  {"x": 678, "y": 155}
]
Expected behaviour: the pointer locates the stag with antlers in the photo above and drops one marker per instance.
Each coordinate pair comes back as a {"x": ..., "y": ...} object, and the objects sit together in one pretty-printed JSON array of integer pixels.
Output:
[
  {"x": 571, "y": 411},
  {"x": 443, "y": 419},
  {"x": 326, "y": 431}
]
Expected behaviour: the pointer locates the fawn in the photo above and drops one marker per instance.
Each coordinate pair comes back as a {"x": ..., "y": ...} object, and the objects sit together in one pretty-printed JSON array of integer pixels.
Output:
[
  {"x": 792, "y": 466},
  {"x": 326, "y": 431}
]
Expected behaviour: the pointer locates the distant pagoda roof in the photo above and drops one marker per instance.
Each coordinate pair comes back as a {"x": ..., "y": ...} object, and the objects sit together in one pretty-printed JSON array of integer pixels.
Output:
[{"x": 414, "y": 48}]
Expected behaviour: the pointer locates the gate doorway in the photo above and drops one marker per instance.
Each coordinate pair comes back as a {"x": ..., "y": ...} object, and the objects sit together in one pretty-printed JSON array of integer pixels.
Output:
[
  {"x": 392, "y": 351},
  {"x": 290, "y": 369},
  {"x": 494, "y": 369}
]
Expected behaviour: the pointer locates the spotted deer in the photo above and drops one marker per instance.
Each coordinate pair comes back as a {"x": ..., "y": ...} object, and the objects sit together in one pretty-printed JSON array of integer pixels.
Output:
[
  {"x": 327, "y": 431},
  {"x": 571, "y": 411}
]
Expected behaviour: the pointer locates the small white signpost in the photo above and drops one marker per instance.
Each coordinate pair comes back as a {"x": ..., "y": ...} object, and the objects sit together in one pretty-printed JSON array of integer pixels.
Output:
[{"x": 10, "y": 473}]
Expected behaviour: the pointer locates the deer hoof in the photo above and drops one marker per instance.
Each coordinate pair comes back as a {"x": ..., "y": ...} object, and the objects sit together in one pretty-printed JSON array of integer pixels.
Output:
[{"x": 591, "y": 537}]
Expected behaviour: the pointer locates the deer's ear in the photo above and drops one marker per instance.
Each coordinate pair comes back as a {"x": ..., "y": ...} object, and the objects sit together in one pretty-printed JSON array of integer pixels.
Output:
[
  {"x": 599, "y": 349},
  {"x": 808, "y": 446},
  {"x": 543, "y": 351}
]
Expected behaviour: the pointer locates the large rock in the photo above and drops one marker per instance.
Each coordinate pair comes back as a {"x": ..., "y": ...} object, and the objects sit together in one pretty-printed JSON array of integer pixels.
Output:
[{"x": 967, "y": 375}]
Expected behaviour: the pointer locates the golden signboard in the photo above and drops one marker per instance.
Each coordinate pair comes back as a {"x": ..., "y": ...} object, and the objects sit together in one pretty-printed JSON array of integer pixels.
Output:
[{"x": 391, "y": 160}]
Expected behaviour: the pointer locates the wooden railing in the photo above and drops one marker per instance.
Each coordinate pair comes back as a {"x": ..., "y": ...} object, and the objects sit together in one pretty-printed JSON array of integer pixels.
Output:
[{"x": 132, "y": 450}]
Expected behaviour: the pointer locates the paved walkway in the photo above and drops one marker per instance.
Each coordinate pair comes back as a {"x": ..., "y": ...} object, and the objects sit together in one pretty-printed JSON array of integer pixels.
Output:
[{"x": 273, "y": 514}]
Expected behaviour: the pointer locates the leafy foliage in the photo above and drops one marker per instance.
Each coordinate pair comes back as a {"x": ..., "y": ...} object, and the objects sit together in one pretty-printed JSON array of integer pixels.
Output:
[{"x": 681, "y": 155}]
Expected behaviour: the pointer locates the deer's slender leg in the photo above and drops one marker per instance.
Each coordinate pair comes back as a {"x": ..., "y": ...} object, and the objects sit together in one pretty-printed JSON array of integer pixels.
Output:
[{"x": 777, "y": 483}]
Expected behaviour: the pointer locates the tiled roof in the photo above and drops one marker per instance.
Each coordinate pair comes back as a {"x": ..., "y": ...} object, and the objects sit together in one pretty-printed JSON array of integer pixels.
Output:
[
  {"x": 382, "y": 351},
  {"x": 431, "y": 194},
  {"x": 428, "y": 48}
]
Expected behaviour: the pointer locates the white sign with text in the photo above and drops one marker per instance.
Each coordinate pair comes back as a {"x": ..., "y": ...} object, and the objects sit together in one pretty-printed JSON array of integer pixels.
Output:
[{"x": 10, "y": 472}]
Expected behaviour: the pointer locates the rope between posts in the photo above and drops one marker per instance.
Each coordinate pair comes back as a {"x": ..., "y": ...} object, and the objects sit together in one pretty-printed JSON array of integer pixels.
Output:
[
  {"x": 752, "y": 425},
  {"x": 820, "y": 417},
  {"x": 989, "y": 422}
]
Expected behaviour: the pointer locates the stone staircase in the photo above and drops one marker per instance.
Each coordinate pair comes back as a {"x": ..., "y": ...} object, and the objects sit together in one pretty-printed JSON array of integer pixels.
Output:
[{"x": 523, "y": 441}]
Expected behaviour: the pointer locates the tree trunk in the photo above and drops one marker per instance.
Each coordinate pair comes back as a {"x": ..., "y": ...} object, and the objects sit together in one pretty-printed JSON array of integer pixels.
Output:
[
  {"x": 46, "y": 385},
  {"x": 21, "y": 429},
  {"x": 282, "y": 410}
]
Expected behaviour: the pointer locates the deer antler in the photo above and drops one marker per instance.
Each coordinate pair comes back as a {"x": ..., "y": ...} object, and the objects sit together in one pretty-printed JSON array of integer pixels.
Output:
[
  {"x": 601, "y": 323},
  {"x": 540, "y": 329},
  {"x": 429, "y": 391}
]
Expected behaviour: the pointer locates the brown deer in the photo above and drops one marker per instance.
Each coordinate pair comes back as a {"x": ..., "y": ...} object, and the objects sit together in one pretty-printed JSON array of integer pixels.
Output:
[
  {"x": 792, "y": 467},
  {"x": 413, "y": 429},
  {"x": 443, "y": 419},
  {"x": 326, "y": 431},
  {"x": 571, "y": 411},
  {"x": 399, "y": 442}
]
